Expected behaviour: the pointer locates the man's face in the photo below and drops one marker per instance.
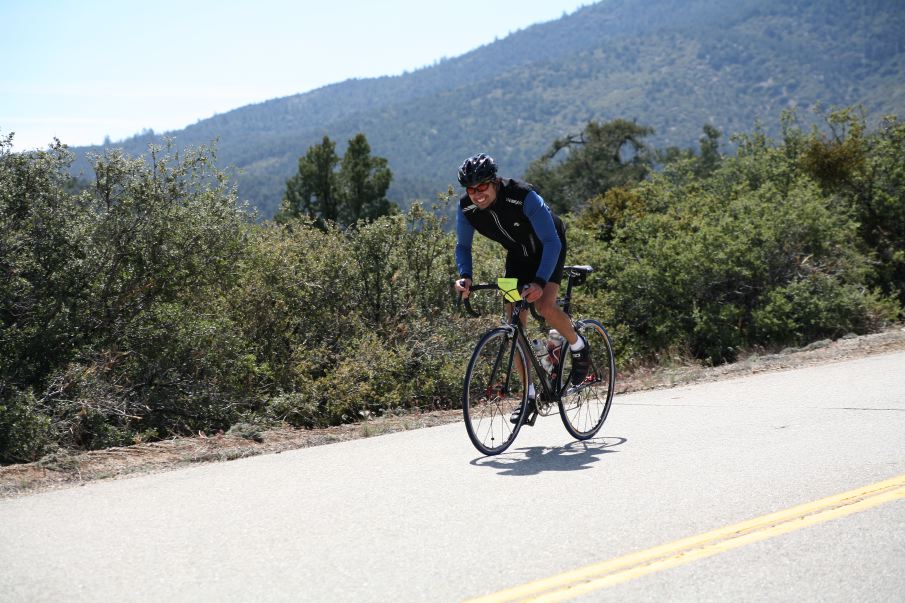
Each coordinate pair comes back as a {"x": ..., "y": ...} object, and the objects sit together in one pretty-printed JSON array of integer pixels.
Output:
[{"x": 483, "y": 195}]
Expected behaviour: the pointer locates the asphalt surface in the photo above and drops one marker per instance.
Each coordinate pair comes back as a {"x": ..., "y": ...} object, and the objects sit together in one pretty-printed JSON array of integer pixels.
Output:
[{"x": 421, "y": 516}]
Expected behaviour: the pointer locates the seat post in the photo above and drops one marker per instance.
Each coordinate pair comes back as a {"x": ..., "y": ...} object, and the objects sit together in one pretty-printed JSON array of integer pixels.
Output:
[{"x": 568, "y": 299}]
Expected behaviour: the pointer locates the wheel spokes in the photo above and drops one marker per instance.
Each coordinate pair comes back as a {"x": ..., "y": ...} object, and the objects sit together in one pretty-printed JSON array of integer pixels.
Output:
[
  {"x": 493, "y": 395},
  {"x": 585, "y": 406}
]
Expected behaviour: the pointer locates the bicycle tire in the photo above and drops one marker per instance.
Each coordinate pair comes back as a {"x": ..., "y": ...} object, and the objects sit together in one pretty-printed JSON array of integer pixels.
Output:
[
  {"x": 585, "y": 407},
  {"x": 488, "y": 398}
]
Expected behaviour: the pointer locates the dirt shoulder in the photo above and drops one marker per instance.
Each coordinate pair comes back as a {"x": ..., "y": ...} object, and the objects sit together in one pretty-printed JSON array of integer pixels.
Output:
[{"x": 68, "y": 470}]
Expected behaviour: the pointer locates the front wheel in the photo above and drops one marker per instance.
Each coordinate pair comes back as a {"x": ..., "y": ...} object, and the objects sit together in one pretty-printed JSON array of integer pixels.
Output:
[
  {"x": 496, "y": 384},
  {"x": 584, "y": 407}
]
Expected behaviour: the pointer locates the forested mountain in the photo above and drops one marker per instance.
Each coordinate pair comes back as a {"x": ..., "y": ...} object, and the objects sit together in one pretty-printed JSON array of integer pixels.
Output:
[{"x": 674, "y": 65}]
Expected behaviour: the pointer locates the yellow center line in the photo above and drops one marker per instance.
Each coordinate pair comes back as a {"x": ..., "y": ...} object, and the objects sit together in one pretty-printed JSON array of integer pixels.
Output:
[{"x": 601, "y": 575}]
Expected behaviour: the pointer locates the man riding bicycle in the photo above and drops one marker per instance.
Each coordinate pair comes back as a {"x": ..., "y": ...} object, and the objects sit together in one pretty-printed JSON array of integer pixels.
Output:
[{"x": 511, "y": 213}]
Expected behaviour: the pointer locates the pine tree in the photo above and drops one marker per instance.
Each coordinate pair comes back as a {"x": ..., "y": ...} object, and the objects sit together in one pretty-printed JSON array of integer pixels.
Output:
[
  {"x": 357, "y": 190},
  {"x": 312, "y": 191},
  {"x": 364, "y": 181},
  {"x": 602, "y": 157}
]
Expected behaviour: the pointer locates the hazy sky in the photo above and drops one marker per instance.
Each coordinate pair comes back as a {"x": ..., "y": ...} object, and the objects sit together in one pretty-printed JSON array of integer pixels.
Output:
[{"x": 85, "y": 69}]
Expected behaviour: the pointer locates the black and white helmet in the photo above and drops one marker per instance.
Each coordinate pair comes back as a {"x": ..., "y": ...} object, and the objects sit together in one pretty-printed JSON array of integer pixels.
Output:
[{"x": 477, "y": 169}]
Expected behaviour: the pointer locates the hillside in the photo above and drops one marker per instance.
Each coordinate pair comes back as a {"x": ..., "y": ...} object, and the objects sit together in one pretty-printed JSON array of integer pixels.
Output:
[{"x": 670, "y": 64}]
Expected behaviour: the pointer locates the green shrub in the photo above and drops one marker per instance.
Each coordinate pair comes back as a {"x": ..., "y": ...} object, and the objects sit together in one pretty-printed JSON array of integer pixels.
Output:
[
  {"x": 25, "y": 431},
  {"x": 297, "y": 409},
  {"x": 818, "y": 307},
  {"x": 115, "y": 308},
  {"x": 702, "y": 266}
]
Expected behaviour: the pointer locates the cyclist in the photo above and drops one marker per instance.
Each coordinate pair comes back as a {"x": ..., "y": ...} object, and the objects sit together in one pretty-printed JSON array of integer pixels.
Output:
[{"x": 511, "y": 213}]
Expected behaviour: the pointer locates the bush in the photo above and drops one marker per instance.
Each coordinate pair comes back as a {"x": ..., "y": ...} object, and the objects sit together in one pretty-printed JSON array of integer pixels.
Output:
[
  {"x": 709, "y": 266},
  {"x": 25, "y": 433},
  {"x": 44, "y": 233},
  {"x": 355, "y": 322},
  {"x": 114, "y": 310},
  {"x": 866, "y": 172},
  {"x": 818, "y": 307}
]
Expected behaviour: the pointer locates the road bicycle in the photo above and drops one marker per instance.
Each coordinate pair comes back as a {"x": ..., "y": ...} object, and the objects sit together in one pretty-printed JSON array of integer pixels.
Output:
[{"x": 504, "y": 363}]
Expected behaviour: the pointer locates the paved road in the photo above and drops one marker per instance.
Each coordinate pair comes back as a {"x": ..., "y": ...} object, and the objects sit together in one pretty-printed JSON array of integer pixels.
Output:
[{"x": 420, "y": 516}]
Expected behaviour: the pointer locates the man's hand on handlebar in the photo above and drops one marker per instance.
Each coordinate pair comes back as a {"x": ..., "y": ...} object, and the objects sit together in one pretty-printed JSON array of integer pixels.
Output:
[
  {"x": 533, "y": 292},
  {"x": 463, "y": 286}
]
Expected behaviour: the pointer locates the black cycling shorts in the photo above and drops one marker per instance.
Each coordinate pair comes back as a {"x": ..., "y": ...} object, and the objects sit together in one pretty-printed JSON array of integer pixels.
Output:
[{"x": 525, "y": 269}]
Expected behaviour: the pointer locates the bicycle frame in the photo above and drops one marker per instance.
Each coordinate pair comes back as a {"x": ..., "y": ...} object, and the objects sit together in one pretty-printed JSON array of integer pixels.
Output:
[{"x": 550, "y": 383}]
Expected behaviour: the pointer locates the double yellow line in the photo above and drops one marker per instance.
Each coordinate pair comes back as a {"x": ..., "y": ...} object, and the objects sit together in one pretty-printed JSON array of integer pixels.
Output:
[{"x": 601, "y": 575}]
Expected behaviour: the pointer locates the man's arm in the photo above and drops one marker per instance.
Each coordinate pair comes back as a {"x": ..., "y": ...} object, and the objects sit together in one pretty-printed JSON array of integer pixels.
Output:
[
  {"x": 542, "y": 222},
  {"x": 464, "y": 238}
]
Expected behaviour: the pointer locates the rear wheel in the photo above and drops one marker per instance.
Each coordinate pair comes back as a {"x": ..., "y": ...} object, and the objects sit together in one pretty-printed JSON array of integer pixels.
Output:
[
  {"x": 496, "y": 384},
  {"x": 584, "y": 407}
]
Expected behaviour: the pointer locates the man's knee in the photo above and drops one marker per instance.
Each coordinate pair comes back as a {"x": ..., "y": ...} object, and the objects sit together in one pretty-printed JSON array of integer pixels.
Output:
[{"x": 545, "y": 307}]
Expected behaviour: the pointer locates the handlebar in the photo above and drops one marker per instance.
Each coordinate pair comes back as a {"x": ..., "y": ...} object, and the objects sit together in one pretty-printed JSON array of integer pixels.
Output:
[
  {"x": 576, "y": 275},
  {"x": 465, "y": 301}
]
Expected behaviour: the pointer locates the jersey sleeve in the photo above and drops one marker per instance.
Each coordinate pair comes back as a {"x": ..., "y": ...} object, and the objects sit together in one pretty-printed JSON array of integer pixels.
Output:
[
  {"x": 541, "y": 220},
  {"x": 464, "y": 238}
]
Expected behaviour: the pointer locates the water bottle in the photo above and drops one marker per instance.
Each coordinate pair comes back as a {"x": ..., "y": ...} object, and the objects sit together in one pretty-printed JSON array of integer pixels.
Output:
[
  {"x": 542, "y": 353},
  {"x": 554, "y": 345}
]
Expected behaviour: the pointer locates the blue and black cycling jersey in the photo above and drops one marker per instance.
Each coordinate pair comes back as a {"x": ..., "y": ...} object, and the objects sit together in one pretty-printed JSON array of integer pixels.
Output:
[{"x": 520, "y": 221}]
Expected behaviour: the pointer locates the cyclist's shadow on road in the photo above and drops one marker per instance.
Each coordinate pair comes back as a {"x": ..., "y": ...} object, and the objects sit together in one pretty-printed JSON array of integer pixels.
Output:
[{"x": 538, "y": 459}]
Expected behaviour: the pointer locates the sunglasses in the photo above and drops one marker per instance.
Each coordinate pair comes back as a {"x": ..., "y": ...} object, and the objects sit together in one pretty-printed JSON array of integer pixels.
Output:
[{"x": 479, "y": 188}]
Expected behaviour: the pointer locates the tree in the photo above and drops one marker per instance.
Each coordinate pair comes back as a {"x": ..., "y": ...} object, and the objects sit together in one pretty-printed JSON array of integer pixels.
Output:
[
  {"x": 357, "y": 190},
  {"x": 363, "y": 182},
  {"x": 602, "y": 157},
  {"x": 701, "y": 165},
  {"x": 312, "y": 191},
  {"x": 867, "y": 170},
  {"x": 710, "y": 152}
]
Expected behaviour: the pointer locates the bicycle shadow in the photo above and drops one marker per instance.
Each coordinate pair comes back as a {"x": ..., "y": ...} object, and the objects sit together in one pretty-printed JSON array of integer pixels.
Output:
[{"x": 575, "y": 456}]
